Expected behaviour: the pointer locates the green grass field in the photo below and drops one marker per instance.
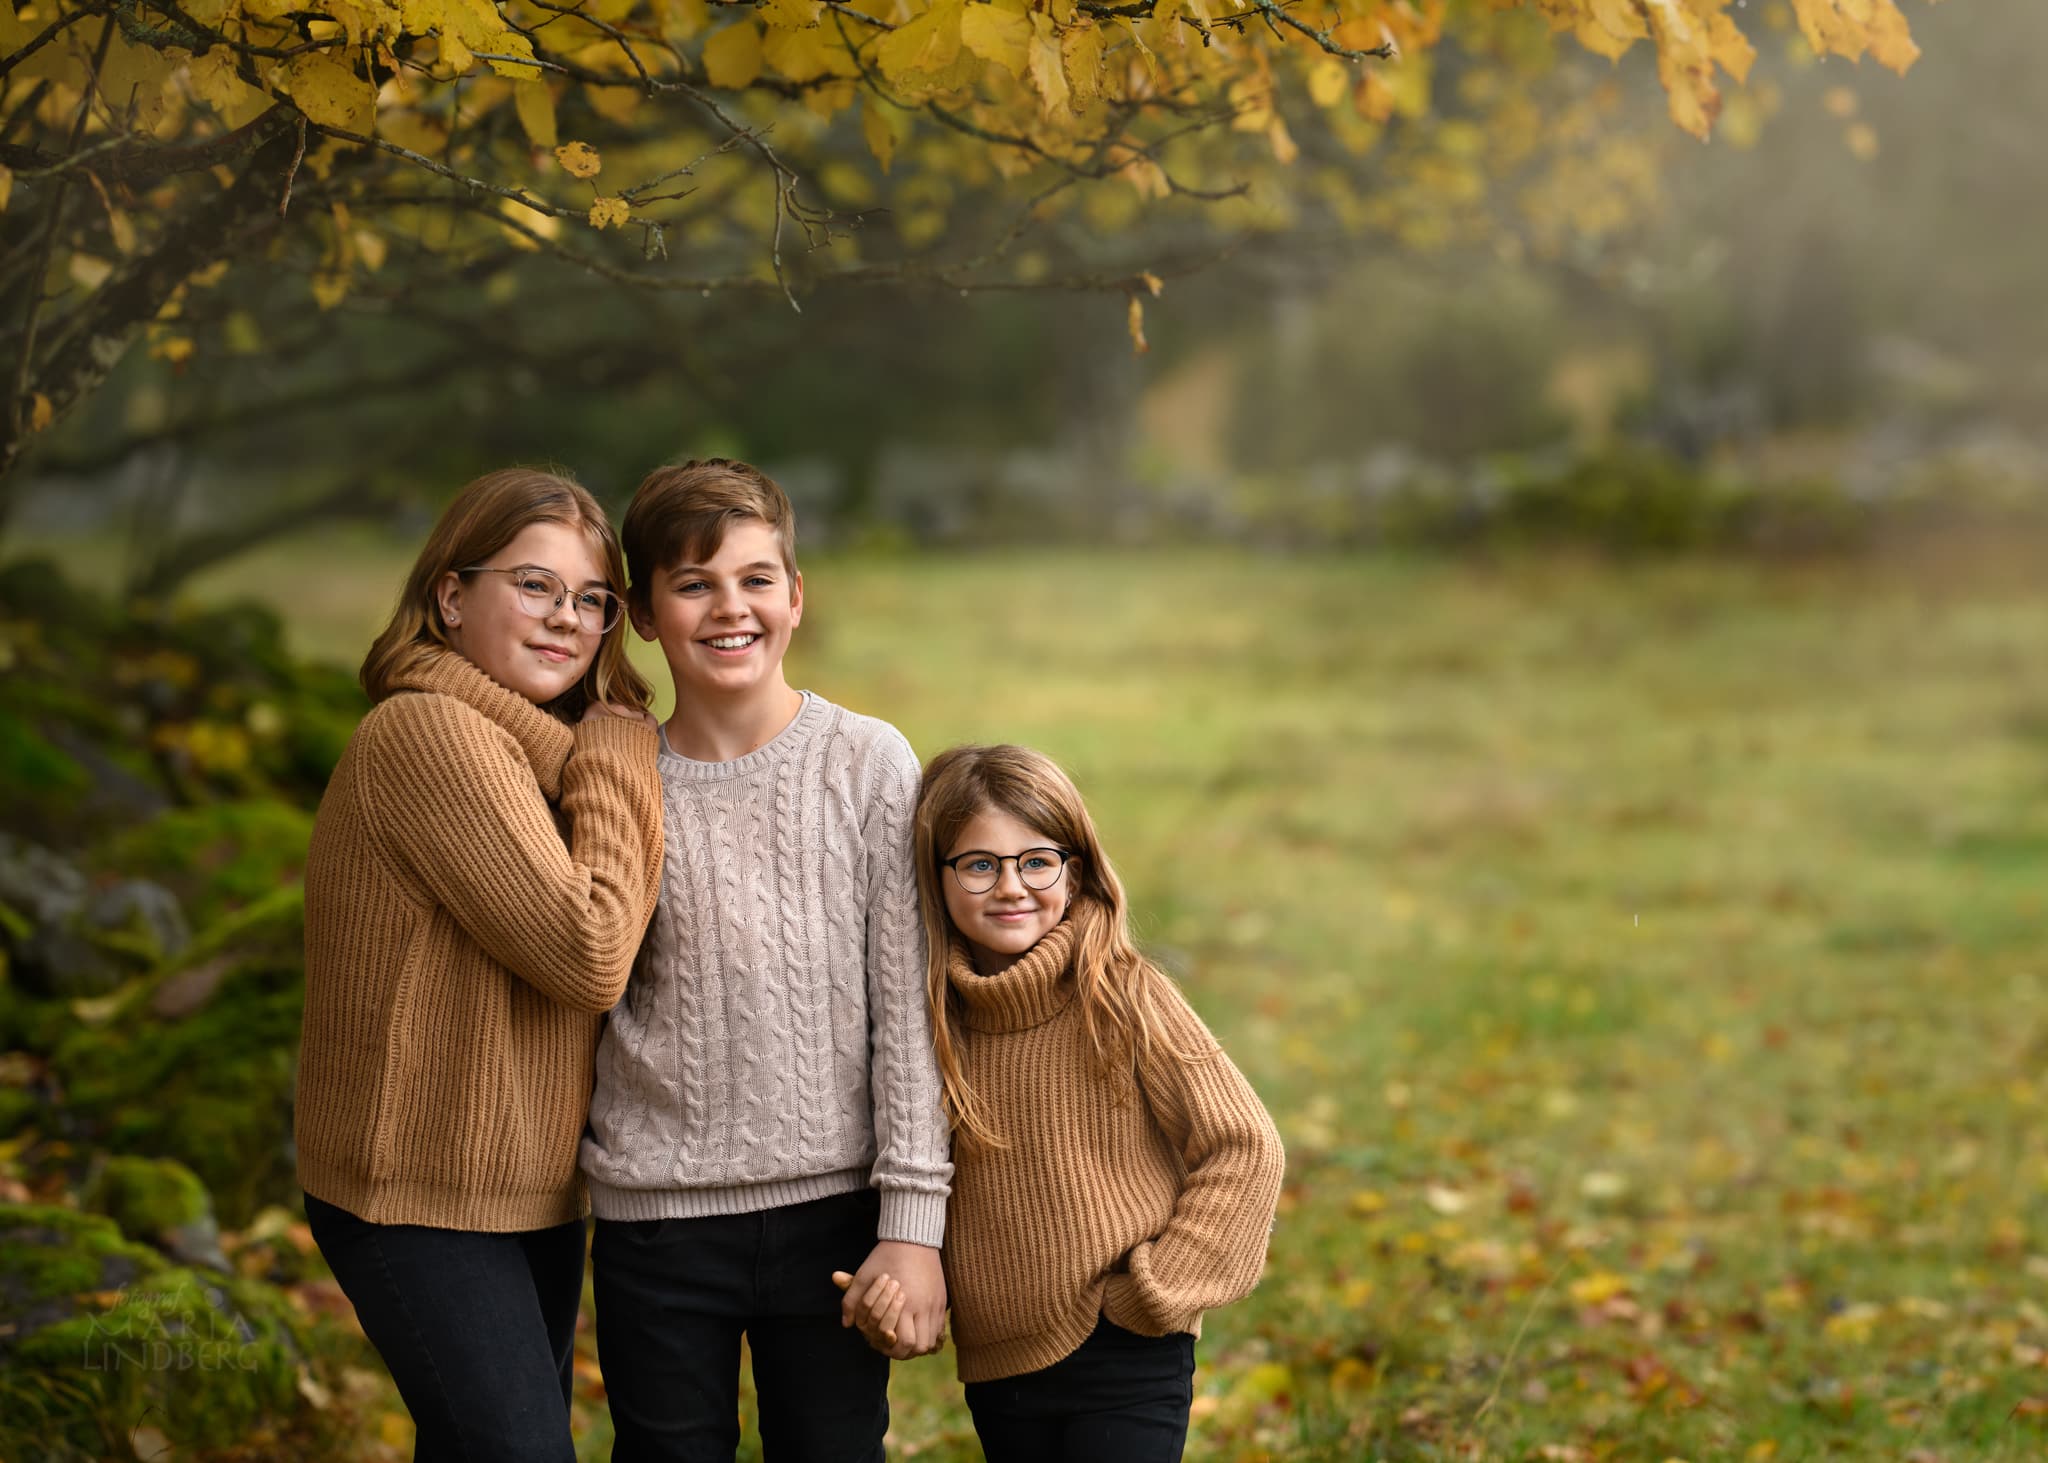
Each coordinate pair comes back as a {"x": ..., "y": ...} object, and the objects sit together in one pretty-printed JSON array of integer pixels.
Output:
[{"x": 1644, "y": 966}]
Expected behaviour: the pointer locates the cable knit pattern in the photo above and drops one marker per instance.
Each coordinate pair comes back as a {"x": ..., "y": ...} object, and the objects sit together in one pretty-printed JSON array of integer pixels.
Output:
[
  {"x": 1147, "y": 1209},
  {"x": 773, "y": 1045},
  {"x": 459, "y": 958}
]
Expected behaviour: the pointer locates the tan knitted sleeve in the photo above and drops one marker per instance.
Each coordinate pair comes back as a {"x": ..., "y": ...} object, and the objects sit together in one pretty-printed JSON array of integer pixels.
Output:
[
  {"x": 456, "y": 806},
  {"x": 1212, "y": 1249}
]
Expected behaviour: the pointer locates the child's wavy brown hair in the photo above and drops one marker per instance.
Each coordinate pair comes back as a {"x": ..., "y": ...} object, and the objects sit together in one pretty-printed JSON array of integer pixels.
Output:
[
  {"x": 1117, "y": 985},
  {"x": 487, "y": 514}
]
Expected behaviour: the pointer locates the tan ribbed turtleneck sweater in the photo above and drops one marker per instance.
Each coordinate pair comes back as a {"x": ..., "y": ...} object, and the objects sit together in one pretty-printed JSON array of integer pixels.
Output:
[
  {"x": 1147, "y": 1210},
  {"x": 459, "y": 958}
]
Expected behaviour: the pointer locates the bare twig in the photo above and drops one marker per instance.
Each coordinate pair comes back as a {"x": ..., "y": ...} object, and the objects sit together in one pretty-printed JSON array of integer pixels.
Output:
[
  {"x": 17, "y": 396},
  {"x": 292, "y": 172},
  {"x": 43, "y": 38}
]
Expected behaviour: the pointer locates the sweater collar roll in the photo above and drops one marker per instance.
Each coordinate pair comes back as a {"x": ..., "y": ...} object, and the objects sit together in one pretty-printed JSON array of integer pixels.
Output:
[
  {"x": 1029, "y": 993},
  {"x": 546, "y": 741}
]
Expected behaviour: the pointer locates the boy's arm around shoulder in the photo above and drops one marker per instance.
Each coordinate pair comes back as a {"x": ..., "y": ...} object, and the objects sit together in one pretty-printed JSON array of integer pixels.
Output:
[
  {"x": 1212, "y": 1249},
  {"x": 453, "y": 801},
  {"x": 912, "y": 1164}
]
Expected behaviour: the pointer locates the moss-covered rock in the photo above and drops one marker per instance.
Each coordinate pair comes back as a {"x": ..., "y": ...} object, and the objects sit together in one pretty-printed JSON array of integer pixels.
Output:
[
  {"x": 216, "y": 857},
  {"x": 45, "y": 784},
  {"x": 106, "y": 1336},
  {"x": 159, "y": 1202},
  {"x": 205, "y": 1080}
]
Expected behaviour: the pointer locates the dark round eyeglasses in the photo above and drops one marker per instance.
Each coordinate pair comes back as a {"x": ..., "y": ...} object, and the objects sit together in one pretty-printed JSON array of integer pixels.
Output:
[{"x": 979, "y": 871}]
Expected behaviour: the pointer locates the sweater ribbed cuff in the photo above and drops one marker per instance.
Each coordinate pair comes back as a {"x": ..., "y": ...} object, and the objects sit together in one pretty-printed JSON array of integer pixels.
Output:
[
  {"x": 620, "y": 735},
  {"x": 913, "y": 1218},
  {"x": 608, "y": 1202}
]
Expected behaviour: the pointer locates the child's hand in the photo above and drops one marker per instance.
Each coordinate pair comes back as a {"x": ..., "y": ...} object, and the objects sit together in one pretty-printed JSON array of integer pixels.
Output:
[
  {"x": 877, "y": 1312},
  {"x": 920, "y": 1327}
]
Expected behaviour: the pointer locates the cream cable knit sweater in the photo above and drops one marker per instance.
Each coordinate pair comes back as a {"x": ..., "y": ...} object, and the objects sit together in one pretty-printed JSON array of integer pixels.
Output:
[{"x": 774, "y": 1045}]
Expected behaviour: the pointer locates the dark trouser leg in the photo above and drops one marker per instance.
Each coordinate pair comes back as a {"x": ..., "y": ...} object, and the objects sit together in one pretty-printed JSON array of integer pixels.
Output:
[
  {"x": 1120, "y": 1398},
  {"x": 671, "y": 1305},
  {"x": 473, "y": 1327},
  {"x": 824, "y": 1391}
]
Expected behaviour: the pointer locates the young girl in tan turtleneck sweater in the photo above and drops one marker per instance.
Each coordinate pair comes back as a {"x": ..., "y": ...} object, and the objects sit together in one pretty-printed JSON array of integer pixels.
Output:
[{"x": 1115, "y": 1174}]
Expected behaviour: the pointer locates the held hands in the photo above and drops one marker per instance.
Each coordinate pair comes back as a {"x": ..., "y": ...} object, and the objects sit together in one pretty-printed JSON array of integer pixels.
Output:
[{"x": 897, "y": 1299}]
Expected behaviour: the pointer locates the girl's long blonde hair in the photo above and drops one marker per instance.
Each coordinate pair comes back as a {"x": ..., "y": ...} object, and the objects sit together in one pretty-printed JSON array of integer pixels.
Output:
[
  {"x": 1118, "y": 988},
  {"x": 487, "y": 514}
]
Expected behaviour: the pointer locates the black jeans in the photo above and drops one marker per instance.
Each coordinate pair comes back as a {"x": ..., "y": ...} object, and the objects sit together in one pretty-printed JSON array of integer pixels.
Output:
[
  {"x": 1121, "y": 1398},
  {"x": 674, "y": 1297},
  {"x": 476, "y": 1328}
]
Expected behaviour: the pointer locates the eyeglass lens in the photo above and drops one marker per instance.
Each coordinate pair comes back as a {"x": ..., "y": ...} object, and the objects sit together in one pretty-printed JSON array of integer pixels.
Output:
[
  {"x": 540, "y": 593},
  {"x": 1039, "y": 868}
]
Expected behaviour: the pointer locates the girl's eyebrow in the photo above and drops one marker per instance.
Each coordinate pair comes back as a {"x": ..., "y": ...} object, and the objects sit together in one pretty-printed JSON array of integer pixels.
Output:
[{"x": 587, "y": 584}]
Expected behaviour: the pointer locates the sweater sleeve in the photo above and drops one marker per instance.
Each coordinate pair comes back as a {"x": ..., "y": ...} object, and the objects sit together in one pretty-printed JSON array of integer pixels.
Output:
[
  {"x": 913, "y": 1168},
  {"x": 1213, "y": 1247},
  {"x": 456, "y": 805}
]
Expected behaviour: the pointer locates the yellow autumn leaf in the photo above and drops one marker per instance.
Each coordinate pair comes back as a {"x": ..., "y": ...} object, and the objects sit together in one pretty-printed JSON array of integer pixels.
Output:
[
  {"x": 330, "y": 288},
  {"x": 1001, "y": 37},
  {"x": 511, "y": 43},
  {"x": 1048, "y": 69},
  {"x": 213, "y": 77},
  {"x": 1329, "y": 81},
  {"x": 1285, "y": 149},
  {"x": 802, "y": 55},
  {"x": 1081, "y": 48},
  {"x": 930, "y": 42},
  {"x": 1729, "y": 47},
  {"x": 1619, "y": 18},
  {"x": 6, "y": 185},
  {"x": 372, "y": 249},
  {"x": 606, "y": 212},
  {"x": 1153, "y": 284},
  {"x": 829, "y": 100},
  {"x": 1134, "y": 321},
  {"x": 579, "y": 160},
  {"x": 330, "y": 94},
  {"x": 535, "y": 104},
  {"x": 41, "y": 413},
  {"x": 1599, "y": 1287},
  {"x": 884, "y": 128},
  {"x": 1890, "y": 41},
  {"x": 1596, "y": 38},
  {"x": 732, "y": 58},
  {"x": 791, "y": 14}
]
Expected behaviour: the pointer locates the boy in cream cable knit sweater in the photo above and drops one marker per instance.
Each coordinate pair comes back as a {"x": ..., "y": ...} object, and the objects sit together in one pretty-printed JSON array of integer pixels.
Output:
[{"x": 767, "y": 1107}]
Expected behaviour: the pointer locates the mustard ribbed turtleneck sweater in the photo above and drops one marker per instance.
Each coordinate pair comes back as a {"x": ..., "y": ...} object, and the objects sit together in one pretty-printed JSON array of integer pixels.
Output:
[
  {"x": 460, "y": 958},
  {"x": 1146, "y": 1208}
]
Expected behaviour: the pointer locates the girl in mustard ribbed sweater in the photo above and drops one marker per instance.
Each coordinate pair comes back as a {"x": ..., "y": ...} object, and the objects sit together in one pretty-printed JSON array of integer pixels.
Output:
[{"x": 1115, "y": 1174}]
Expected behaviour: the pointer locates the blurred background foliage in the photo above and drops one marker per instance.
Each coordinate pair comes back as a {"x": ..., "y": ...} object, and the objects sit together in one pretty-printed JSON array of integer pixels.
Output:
[{"x": 1558, "y": 669}]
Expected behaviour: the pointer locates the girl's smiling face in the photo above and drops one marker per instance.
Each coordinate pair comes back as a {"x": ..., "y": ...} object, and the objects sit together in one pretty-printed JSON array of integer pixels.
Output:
[
  {"x": 1002, "y": 923},
  {"x": 539, "y": 656}
]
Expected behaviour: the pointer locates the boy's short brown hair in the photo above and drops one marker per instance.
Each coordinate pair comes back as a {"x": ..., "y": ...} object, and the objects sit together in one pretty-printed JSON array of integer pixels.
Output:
[{"x": 679, "y": 515}]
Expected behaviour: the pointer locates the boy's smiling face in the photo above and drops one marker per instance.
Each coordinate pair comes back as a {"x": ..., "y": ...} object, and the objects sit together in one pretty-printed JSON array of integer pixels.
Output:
[{"x": 725, "y": 625}]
